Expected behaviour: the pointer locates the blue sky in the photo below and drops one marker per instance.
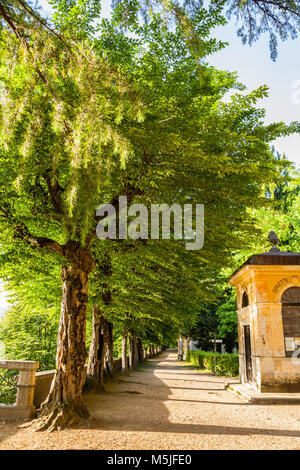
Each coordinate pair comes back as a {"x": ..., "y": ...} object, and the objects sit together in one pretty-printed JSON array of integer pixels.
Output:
[{"x": 255, "y": 68}]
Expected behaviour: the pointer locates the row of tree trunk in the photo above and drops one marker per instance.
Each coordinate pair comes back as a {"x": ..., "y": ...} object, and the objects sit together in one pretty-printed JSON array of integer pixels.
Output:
[
  {"x": 64, "y": 405},
  {"x": 137, "y": 353},
  {"x": 101, "y": 352}
]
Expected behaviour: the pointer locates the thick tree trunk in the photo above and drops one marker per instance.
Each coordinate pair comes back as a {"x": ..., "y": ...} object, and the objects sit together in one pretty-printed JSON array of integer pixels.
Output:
[
  {"x": 93, "y": 364},
  {"x": 180, "y": 348},
  {"x": 140, "y": 351},
  {"x": 184, "y": 348},
  {"x": 135, "y": 357},
  {"x": 133, "y": 350},
  {"x": 64, "y": 405},
  {"x": 187, "y": 347},
  {"x": 109, "y": 356},
  {"x": 124, "y": 354},
  {"x": 130, "y": 352},
  {"x": 95, "y": 372}
]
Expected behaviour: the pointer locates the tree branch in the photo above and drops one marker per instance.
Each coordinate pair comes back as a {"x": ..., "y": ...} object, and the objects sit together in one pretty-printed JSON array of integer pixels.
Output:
[
  {"x": 278, "y": 5},
  {"x": 22, "y": 232},
  {"x": 41, "y": 21},
  {"x": 54, "y": 191}
]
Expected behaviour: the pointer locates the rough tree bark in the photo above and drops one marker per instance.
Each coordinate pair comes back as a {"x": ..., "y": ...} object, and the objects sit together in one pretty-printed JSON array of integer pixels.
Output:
[
  {"x": 130, "y": 352},
  {"x": 64, "y": 405},
  {"x": 124, "y": 354},
  {"x": 101, "y": 349},
  {"x": 133, "y": 357},
  {"x": 187, "y": 347},
  {"x": 109, "y": 356},
  {"x": 94, "y": 380},
  {"x": 140, "y": 351}
]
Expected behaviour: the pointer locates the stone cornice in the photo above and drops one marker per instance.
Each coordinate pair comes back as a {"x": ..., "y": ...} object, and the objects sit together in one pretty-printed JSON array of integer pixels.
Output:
[{"x": 276, "y": 268}]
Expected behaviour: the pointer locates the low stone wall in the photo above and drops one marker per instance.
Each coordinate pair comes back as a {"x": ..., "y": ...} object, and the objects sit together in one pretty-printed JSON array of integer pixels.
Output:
[
  {"x": 43, "y": 382},
  {"x": 33, "y": 387},
  {"x": 44, "y": 379}
]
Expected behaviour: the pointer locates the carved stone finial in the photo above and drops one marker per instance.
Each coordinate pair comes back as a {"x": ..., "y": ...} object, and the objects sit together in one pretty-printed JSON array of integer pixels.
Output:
[{"x": 274, "y": 240}]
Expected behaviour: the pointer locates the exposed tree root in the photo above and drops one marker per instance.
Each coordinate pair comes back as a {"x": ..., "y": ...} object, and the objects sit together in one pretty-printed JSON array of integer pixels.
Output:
[{"x": 58, "y": 417}]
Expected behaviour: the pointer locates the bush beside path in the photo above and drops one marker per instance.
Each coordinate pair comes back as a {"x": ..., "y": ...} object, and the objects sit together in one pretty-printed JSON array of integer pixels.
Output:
[{"x": 226, "y": 364}]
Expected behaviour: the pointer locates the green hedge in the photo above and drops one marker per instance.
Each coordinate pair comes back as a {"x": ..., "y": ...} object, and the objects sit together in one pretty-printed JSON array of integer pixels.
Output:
[{"x": 227, "y": 364}]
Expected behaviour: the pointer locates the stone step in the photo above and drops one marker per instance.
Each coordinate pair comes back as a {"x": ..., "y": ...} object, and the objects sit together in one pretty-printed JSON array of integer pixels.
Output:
[{"x": 254, "y": 397}]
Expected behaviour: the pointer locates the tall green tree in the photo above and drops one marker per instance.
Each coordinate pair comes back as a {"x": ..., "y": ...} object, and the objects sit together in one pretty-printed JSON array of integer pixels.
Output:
[{"x": 59, "y": 136}]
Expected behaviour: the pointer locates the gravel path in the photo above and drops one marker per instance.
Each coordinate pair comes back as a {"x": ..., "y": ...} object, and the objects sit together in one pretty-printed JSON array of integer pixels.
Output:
[{"x": 169, "y": 405}]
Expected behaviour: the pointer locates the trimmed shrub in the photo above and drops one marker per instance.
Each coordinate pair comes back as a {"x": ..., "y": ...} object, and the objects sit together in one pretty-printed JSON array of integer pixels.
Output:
[{"x": 227, "y": 364}]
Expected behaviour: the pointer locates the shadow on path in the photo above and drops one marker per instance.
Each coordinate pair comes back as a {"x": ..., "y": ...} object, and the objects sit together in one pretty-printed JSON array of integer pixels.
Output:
[{"x": 142, "y": 403}]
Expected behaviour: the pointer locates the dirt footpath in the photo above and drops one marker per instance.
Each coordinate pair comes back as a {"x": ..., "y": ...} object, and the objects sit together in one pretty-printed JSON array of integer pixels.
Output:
[{"x": 168, "y": 405}]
